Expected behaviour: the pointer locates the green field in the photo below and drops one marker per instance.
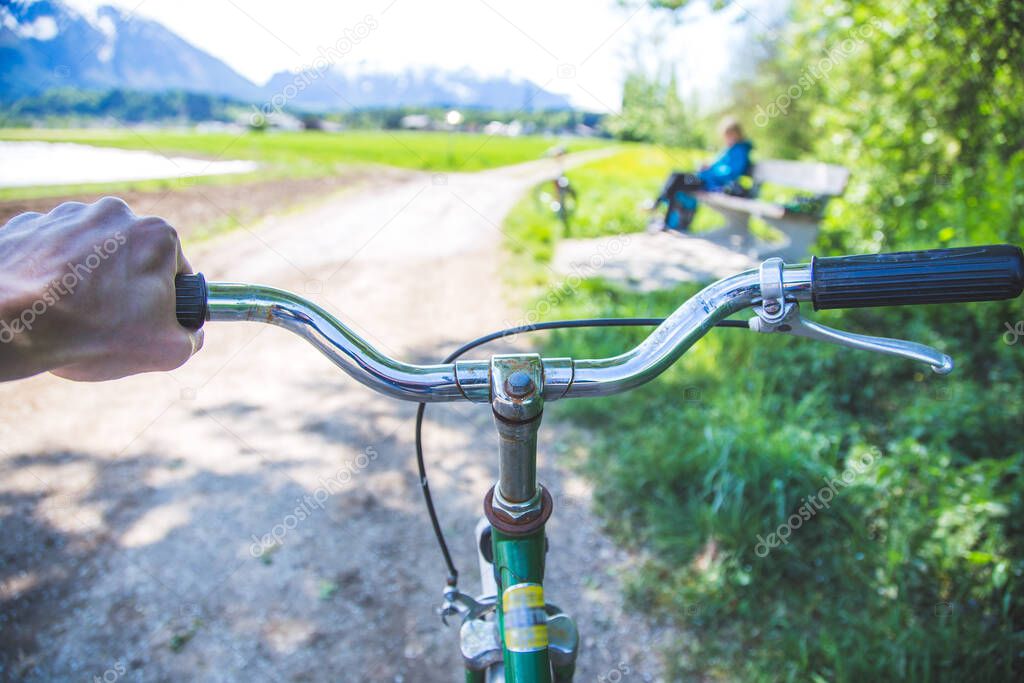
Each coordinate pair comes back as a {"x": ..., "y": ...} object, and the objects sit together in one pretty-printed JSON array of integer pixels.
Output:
[
  {"x": 302, "y": 154},
  {"x": 908, "y": 575}
]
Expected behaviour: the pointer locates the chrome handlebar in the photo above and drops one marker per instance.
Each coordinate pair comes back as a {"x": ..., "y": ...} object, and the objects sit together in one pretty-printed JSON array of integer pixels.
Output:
[
  {"x": 774, "y": 291},
  {"x": 469, "y": 380},
  {"x": 346, "y": 349}
]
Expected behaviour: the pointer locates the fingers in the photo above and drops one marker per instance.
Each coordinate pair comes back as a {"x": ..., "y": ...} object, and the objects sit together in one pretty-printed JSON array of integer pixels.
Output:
[
  {"x": 162, "y": 248},
  {"x": 111, "y": 205},
  {"x": 182, "y": 266},
  {"x": 21, "y": 218},
  {"x": 173, "y": 348},
  {"x": 103, "y": 216},
  {"x": 197, "y": 338},
  {"x": 182, "y": 345},
  {"x": 167, "y": 233},
  {"x": 77, "y": 373},
  {"x": 67, "y": 207},
  {"x": 156, "y": 246},
  {"x": 163, "y": 355}
]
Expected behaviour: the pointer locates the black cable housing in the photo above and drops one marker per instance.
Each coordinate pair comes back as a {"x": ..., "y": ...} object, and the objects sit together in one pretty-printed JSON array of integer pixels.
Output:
[{"x": 453, "y": 573}]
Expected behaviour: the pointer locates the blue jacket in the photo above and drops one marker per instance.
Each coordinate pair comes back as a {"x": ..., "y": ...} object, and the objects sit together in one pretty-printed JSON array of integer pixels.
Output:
[{"x": 728, "y": 167}]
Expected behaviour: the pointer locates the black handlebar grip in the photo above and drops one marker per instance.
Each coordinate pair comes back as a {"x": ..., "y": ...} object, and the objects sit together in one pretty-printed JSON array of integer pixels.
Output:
[
  {"x": 190, "y": 300},
  {"x": 935, "y": 276}
]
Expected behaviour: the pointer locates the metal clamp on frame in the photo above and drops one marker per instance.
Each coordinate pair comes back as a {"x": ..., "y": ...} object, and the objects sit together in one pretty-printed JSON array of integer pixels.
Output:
[{"x": 773, "y": 302}]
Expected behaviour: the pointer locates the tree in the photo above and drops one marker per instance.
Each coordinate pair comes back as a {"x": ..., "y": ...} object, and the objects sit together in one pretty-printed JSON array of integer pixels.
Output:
[
  {"x": 652, "y": 111},
  {"x": 922, "y": 101}
]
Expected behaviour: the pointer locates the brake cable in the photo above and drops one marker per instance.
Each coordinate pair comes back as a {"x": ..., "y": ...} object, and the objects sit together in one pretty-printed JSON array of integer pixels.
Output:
[{"x": 453, "y": 573}]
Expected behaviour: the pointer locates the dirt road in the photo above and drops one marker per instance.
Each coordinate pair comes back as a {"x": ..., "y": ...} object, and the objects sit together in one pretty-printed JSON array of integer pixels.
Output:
[{"x": 136, "y": 514}]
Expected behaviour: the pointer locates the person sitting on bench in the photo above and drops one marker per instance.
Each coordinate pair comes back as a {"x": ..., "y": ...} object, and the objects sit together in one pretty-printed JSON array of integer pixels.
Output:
[{"x": 722, "y": 175}]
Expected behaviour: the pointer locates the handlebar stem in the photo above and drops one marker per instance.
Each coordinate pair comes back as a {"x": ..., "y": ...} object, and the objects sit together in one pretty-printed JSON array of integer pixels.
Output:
[{"x": 518, "y": 405}]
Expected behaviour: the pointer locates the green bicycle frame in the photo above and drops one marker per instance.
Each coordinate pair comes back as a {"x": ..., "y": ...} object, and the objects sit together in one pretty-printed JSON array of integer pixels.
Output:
[
  {"x": 519, "y": 565},
  {"x": 518, "y": 509},
  {"x": 524, "y": 625}
]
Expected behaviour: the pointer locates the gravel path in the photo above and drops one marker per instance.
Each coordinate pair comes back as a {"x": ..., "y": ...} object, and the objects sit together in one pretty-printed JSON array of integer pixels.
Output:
[{"x": 132, "y": 510}]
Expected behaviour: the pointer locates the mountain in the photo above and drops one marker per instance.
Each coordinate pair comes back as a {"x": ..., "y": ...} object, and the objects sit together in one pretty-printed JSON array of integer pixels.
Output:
[
  {"x": 46, "y": 45},
  {"x": 363, "y": 87}
]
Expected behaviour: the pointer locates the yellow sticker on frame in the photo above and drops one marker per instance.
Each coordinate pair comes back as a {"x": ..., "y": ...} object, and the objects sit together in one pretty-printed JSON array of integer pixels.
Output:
[{"x": 526, "y": 622}]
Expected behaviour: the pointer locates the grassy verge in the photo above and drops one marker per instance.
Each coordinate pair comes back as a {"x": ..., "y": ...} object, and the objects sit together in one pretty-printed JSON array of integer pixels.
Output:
[
  {"x": 299, "y": 154},
  {"x": 806, "y": 513}
]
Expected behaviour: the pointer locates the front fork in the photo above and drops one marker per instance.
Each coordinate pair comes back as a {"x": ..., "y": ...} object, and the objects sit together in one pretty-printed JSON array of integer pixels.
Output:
[{"x": 538, "y": 642}]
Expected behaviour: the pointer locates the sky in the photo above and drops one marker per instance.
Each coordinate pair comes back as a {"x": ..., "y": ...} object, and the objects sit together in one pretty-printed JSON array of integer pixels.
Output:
[{"x": 579, "y": 48}]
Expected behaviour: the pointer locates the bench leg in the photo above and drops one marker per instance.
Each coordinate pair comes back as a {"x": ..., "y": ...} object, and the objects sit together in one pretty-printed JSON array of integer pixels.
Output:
[
  {"x": 801, "y": 234},
  {"x": 735, "y": 234}
]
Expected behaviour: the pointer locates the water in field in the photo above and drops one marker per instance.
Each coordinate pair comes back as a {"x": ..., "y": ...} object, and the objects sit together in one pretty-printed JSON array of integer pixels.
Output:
[{"x": 64, "y": 163}]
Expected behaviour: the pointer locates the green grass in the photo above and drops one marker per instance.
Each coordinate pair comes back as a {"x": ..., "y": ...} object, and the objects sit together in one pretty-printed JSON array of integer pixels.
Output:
[
  {"x": 914, "y": 570},
  {"x": 301, "y": 154}
]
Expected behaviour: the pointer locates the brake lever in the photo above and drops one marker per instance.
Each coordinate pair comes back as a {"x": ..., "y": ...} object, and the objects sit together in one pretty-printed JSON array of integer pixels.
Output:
[
  {"x": 790, "y": 322},
  {"x": 775, "y": 314}
]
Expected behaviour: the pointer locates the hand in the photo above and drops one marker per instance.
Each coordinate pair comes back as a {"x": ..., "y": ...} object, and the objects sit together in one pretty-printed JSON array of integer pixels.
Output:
[{"x": 87, "y": 292}]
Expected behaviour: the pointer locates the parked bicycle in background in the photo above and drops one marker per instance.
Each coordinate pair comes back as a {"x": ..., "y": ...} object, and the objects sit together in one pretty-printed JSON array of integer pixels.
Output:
[{"x": 558, "y": 195}]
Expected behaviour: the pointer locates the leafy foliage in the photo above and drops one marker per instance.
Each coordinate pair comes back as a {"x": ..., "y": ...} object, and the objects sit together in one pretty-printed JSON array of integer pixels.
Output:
[
  {"x": 922, "y": 101},
  {"x": 652, "y": 111}
]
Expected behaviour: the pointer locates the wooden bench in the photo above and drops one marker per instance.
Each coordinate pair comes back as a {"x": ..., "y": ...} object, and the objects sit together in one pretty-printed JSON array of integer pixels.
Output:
[{"x": 821, "y": 181}]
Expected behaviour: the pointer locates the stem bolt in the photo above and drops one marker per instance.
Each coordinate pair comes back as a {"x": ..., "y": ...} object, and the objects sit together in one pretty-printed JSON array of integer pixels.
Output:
[{"x": 519, "y": 384}]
